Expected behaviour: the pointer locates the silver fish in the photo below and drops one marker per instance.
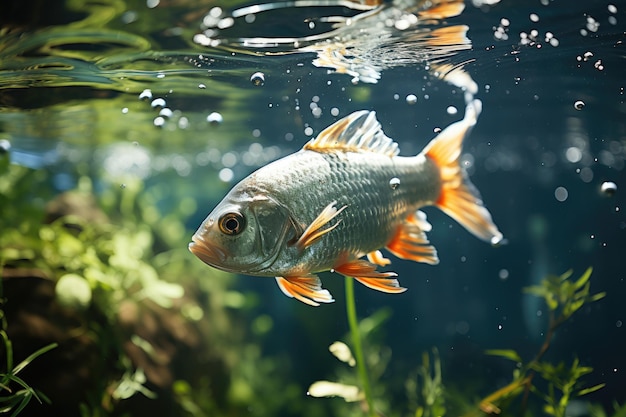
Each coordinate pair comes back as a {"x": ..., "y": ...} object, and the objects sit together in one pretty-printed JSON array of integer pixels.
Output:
[{"x": 336, "y": 202}]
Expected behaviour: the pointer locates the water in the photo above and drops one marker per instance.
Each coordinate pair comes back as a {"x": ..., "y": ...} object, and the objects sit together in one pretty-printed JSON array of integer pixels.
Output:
[{"x": 187, "y": 98}]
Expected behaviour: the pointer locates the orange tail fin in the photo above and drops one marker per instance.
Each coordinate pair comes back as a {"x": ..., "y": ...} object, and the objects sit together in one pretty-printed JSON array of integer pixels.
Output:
[{"x": 459, "y": 198}]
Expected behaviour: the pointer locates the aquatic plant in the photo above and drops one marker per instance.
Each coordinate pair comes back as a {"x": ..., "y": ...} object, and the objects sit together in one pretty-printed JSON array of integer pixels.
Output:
[
  {"x": 139, "y": 323},
  {"x": 11, "y": 400},
  {"x": 430, "y": 402},
  {"x": 93, "y": 282},
  {"x": 564, "y": 297},
  {"x": 428, "y": 396}
]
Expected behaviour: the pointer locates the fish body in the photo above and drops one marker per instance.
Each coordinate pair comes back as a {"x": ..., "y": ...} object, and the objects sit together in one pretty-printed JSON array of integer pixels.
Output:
[{"x": 341, "y": 198}]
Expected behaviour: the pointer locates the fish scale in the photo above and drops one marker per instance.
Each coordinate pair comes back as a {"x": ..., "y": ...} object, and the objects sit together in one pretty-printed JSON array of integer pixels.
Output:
[{"x": 361, "y": 182}]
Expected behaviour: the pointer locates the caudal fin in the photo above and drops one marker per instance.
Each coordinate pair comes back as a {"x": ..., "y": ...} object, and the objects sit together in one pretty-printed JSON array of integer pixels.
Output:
[{"x": 459, "y": 198}]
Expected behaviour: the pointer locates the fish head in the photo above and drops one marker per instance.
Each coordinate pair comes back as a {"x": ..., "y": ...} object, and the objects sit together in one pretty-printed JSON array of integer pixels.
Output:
[{"x": 243, "y": 234}]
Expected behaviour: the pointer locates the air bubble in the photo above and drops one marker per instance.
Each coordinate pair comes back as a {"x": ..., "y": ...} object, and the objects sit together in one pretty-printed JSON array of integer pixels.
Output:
[
  {"x": 452, "y": 110},
  {"x": 411, "y": 99},
  {"x": 394, "y": 183},
  {"x": 561, "y": 194},
  {"x": 608, "y": 188},
  {"x": 5, "y": 146},
  {"x": 159, "y": 121},
  {"x": 145, "y": 94},
  {"x": 579, "y": 105},
  {"x": 226, "y": 174},
  {"x": 158, "y": 102},
  {"x": 257, "y": 79},
  {"x": 215, "y": 118},
  {"x": 166, "y": 112}
]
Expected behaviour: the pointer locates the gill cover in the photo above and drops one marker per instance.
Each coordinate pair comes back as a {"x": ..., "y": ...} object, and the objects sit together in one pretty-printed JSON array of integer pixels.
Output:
[{"x": 249, "y": 231}]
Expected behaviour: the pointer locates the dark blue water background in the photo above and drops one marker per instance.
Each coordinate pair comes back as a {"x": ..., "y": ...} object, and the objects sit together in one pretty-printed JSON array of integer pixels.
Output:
[{"x": 538, "y": 159}]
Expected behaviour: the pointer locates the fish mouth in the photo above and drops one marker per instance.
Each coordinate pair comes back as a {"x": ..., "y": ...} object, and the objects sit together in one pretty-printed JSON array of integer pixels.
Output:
[{"x": 207, "y": 253}]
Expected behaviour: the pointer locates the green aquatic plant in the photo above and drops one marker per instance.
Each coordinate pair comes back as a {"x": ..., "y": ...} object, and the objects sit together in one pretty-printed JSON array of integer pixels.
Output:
[
  {"x": 555, "y": 384},
  {"x": 563, "y": 296},
  {"x": 14, "y": 400},
  {"x": 151, "y": 325},
  {"x": 430, "y": 400},
  {"x": 356, "y": 342},
  {"x": 370, "y": 363}
]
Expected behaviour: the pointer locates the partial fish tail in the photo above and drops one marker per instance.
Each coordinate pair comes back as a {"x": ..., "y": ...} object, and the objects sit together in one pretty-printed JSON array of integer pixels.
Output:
[{"x": 459, "y": 198}]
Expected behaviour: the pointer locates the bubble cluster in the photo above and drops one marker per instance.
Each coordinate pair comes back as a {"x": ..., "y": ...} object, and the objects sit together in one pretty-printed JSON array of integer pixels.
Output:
[
  {"x": 501, "y": 31},
  {"x": 534, "y": 38},
  {"x": 591, "y": 25},
  {"x": 587, "y": 57}
]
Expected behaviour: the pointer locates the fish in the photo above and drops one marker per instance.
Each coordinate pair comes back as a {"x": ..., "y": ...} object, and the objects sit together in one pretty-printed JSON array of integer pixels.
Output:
[{"x": 334, "y": 204}]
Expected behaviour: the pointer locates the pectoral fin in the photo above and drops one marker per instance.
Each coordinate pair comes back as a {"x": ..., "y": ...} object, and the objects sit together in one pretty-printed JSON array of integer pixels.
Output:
[
  {"x": 307, "y": 289},
  {"x": 366, "y": 273},
  {"x": 314, "y": 231}
]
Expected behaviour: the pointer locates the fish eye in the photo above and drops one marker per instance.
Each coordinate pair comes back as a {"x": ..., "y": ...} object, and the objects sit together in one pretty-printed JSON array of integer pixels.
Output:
[{"x": 232, "y": 223}]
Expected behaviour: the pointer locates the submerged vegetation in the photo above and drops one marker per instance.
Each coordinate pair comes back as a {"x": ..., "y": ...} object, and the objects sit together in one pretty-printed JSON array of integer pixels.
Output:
[
  {"x": 107, "y": 280},
  {"x": 560, "y": 383}
]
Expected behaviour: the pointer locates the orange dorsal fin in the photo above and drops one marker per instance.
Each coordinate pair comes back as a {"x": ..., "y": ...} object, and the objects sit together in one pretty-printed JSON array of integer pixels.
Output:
[
  {"x": 459, "y": 198},
  {"x": 410, "y": 241},
  {"x": 357, "y": 132},
  {"x": 366, "y": 273},
  {"x": 307, "y": 289}
]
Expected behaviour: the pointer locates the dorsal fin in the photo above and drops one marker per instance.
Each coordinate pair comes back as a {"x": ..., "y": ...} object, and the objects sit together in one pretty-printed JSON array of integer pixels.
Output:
[{"x": 357, "y": 132}]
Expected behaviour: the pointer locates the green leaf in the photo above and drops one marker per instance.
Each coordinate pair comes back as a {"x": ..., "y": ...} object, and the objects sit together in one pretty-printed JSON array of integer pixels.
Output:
[
  {"x": 580, "y": 282},
  {"x": 32, "y": 357},
  {"x": 596, "y": 297},
  {"x": 505, "y": 353},
  {"x": 589, "y": 390}
]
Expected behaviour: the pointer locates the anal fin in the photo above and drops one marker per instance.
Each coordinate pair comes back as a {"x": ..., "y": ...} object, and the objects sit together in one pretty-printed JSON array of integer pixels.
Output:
[
  {"x": 307, "y": 289},
  {"x": 376, "y": 257},
  {"x": 410, "y": 241}
]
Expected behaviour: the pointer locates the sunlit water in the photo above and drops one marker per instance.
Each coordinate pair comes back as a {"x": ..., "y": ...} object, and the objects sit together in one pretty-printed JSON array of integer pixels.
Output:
[{"x": 204, "y": 94}]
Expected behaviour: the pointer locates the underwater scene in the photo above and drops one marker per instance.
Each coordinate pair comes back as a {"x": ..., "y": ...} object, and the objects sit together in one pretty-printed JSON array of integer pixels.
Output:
[{"x": 409, "y": 208}]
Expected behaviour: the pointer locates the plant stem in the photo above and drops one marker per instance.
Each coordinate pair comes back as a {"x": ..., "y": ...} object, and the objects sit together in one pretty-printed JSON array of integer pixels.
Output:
[{"x": 356, "y": 342}]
